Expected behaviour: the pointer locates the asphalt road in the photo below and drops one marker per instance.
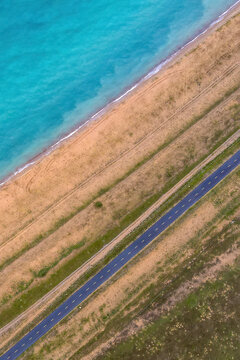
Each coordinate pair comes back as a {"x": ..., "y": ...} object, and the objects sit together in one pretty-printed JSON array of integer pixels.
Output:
[{"x": 102, "y": 276}]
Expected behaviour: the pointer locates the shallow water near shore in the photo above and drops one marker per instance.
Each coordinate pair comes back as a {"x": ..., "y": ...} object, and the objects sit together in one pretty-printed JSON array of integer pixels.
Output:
[{"x": 60, "y": 62}]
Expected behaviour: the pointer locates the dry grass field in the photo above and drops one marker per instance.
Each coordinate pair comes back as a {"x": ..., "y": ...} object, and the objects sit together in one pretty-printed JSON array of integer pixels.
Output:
[{"x": 64, "y": 209}]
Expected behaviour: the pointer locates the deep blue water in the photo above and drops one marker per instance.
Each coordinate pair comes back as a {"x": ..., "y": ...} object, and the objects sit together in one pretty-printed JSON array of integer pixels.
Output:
[{"x": 61, "y": 61}]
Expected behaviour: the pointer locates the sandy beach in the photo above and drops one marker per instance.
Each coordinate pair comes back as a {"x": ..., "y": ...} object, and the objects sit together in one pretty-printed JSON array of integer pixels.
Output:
[{"x": 120, "y": 158}]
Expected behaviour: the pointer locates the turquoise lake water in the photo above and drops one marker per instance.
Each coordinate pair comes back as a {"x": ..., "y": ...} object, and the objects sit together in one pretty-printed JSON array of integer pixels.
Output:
[{"x": 62, "y": 61}]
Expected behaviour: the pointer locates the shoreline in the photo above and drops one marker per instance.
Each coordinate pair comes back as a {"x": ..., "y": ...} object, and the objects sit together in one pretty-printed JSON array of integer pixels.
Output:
[{"x": 168, "y": 61}]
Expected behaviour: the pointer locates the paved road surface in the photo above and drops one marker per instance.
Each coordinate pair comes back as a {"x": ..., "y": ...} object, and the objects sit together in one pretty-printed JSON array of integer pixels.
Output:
[{"x": 102, "y": 276}]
